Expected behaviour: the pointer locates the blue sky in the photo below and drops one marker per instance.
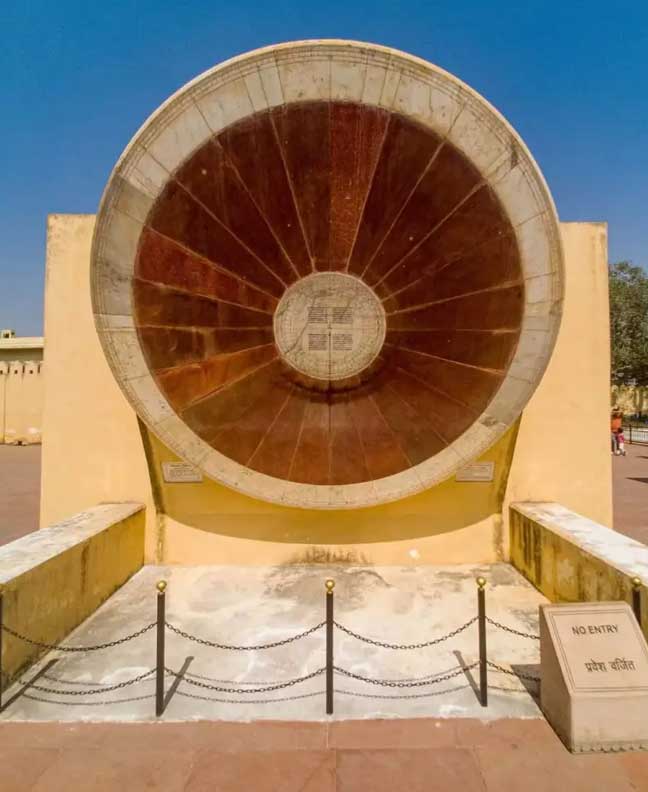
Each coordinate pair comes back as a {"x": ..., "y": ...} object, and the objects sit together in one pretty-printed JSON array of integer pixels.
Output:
[{"x": 78, "y": 79}]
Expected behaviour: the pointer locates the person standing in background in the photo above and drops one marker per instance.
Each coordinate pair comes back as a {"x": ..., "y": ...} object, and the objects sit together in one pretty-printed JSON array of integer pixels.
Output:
[{"x": 616, "y": 425}]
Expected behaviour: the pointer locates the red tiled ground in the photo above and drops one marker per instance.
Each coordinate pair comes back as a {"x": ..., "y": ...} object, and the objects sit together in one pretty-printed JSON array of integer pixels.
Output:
[
  {"x": 630, "y": 487},
  {"x": 19, "y": 490},
  {"x": 412, "y": 755}
]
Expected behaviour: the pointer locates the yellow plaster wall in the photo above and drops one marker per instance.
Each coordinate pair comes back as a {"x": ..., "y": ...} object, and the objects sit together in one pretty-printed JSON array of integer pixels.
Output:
[
  {"x": 21, "y": 402},
  {"x": 563, "y": 448},
  {"x": 454, "y": 522},
  {"x": 50, "y": 584},
  {"x": 92, "y": 451}
]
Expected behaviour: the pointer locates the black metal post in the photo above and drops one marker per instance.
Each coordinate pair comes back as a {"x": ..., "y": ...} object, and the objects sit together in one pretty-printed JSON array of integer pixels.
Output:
[
  {"x": 1, "y": 665},
  {"x": 330, "y": 585},
  {"x": 159, "y": 658},
  {"x": 636, "y": 598},
  {"x": 483, "y": 668}
]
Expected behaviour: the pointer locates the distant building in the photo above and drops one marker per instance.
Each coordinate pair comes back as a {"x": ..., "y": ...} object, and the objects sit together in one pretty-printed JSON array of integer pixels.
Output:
[{"x": 21, "y": 388}]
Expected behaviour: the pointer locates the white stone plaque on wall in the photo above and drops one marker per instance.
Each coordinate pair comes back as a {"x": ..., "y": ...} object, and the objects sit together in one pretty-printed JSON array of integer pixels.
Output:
[
  {"x": 478, "y": 471},
  {"x": 594, "y": 663},
  {"x": 181, "y": 473}
]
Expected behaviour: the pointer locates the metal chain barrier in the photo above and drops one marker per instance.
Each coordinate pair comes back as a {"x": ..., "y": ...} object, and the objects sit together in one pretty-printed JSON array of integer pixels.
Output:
[
  {"x": 60, "y": 648},
  {"x": 264, "y": 689},
  {"x": 215, "y": 645},
  {"x": 501, "y": 626},
  {"x": 396, "y": 683},
  {"x": 421, "y": 645},
  {"x": 510, "y": 672},
  {"x": 93, "y": 692}
]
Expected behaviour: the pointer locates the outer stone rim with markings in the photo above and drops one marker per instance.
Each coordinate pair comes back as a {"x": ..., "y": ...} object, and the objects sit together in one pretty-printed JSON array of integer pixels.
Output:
[{"x": 143, "y": 254}]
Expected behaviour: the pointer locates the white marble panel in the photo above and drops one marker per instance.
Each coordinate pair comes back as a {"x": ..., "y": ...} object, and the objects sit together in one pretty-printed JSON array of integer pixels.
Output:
[
  {"x": 517, "y": 195},
  {"x": 347, "y": 80},
  {"x": 373, "y": 85},
  {"x": 127, "y": 353},
  {"x": 255, "y": 91},
  {"x": 477, "y": 139},
  {"x": 181, "y": 136},
  {"x": 225, "y": 104},
  {"x": 308, "y": 80},
  {"x": 154, "y": 408},
  {"x": 269, "y": 75},
  {"x": 144, "y": 173}
]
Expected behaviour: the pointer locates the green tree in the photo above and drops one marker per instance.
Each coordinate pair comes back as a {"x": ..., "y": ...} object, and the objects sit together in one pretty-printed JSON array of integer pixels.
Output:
[{"x": 629, "y": 324}]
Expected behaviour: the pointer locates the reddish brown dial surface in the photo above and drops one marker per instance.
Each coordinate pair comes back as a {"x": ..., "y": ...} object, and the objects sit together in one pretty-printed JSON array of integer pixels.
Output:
[{"x": 318, "y": 187}]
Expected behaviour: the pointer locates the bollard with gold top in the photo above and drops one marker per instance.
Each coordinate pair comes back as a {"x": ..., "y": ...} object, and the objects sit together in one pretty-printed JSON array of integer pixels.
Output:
[
  {"x": 636, "y": 598},
  {"x": 159, "y": 658},
  {"x": 481, "y": 620},
  {"x": 330, "y": 585}
]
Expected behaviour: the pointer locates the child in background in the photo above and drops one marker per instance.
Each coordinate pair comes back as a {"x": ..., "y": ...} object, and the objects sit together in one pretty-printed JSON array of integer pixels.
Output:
[{"x": 620, "y": 442}]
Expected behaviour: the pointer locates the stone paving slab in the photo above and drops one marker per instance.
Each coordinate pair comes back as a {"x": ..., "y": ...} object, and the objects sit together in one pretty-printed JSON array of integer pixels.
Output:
[
  {"x": 417, "y": 755},
  {"x": 266, "y": 604}
]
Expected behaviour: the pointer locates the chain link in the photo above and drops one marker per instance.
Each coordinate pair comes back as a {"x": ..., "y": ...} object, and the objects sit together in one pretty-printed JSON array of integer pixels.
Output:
[
  {"x": 422, "y": 645},
  {"x": 60, "y": 648},
  {"x": 264, "y": 689},
  {"x": 511, "y": 630},
  {"x": 93, "y": 692},
  {"x": 510, "y": 672},
  {"x": 395, "y": 683},
  {"x": 216, "y": 645}
]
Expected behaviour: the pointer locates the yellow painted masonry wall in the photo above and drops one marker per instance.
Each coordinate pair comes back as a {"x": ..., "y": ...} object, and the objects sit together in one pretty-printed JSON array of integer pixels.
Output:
[
  {"x": 94, "y": 449},
  {"x": 562, "y": 453},
  {"x": 55, "y": 578},
  {"x": 21, "y": 401},
  {"x": 570, "y": 568}
]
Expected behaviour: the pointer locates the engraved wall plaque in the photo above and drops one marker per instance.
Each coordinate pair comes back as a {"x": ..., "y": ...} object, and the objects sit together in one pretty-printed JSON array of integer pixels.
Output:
[
  {"x": 594, "y": 663},
  {"x": 478, "y": 471},
  {"x": 181, "y": 473}
]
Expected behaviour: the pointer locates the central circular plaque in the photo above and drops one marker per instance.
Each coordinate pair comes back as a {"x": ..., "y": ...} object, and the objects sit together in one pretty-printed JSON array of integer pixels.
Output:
[{"x": 329, "y": 326}]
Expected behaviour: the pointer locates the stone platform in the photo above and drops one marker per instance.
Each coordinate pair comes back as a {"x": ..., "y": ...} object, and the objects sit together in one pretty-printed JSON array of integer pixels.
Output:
[{"x": 257, "y": 605}]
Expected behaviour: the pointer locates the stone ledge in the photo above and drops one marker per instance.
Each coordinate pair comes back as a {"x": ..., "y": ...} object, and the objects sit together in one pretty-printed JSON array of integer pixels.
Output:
[
  {"x": 571, "y": 558},
  {"x": 28, "y": 552},
  {"x": 623, "y": 553},
  {"x": 53, "y": 579}
]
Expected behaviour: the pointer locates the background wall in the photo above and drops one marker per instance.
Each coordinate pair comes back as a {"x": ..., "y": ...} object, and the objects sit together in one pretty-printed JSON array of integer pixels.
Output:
[
  {"x": 95, "y": 451},
  {"x": 21, "y": 401}
]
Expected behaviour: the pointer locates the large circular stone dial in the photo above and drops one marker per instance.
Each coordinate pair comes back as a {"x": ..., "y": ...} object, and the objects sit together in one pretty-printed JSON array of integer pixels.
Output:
[{"x": 329, "y": 274}]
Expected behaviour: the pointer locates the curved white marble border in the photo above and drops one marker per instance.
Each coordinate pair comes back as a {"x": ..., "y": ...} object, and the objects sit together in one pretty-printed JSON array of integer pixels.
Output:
[{"x": 341, "y": 70}]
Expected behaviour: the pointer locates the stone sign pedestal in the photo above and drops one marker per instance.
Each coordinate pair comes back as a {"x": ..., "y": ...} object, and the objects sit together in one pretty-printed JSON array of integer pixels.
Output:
[{"x": 594, "y": 663}]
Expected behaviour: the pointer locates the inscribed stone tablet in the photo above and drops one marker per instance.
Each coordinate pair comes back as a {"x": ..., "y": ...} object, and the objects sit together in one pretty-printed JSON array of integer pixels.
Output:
[
  {"x": 478, "y": 471},
  {"x": 181, "y": 473},
  {"x": 594, "y": 662}
]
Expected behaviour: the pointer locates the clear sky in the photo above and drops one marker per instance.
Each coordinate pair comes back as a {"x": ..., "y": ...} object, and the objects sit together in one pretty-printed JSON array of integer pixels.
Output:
[{"x": 77, "y": 79}]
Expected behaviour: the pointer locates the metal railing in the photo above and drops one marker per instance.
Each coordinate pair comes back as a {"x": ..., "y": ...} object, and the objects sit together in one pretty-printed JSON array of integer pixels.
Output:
[
  {"x": 636, "y": 434},
  {"x": 330, "y": 670}
]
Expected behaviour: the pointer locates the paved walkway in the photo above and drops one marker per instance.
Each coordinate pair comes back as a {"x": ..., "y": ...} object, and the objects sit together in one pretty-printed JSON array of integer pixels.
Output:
[
  {"x": 19, "y": 490},
  {"x": 378, "y": 756},
  {"x": 630, "y": 487}
]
